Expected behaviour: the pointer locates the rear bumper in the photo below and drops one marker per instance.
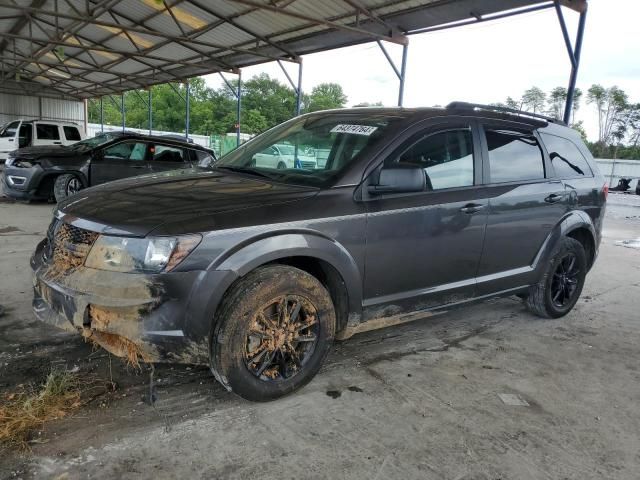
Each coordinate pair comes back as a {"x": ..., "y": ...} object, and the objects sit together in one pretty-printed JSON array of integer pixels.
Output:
[{"x": 139, "y": 316}]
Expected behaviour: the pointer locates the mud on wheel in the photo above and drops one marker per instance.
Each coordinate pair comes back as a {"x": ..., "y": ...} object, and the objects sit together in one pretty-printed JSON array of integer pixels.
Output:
[{"x": 274, "y": 331}]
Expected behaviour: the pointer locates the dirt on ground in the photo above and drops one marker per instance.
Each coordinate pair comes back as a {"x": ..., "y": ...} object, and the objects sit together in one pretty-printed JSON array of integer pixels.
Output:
[{"x": 485, "y": 392}]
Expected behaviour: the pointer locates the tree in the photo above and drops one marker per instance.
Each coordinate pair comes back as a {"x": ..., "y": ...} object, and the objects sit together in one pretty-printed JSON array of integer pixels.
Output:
[
  {"x": 577, "y": 98},
  {"x": 556, "y": 100},
  {"x": 534, "y": 99},
  {"x": 326, "y": 96},
  {"x": 511, "y": 103},
  {"x": 369, "y": 104},
  {"x": 274, "y": 100},
  {"x": 611, "y": 104}
]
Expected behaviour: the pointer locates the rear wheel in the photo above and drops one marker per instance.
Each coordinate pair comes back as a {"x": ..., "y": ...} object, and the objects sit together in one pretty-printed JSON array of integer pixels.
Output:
[
  {"x": 560, "y": 287},
  {"x": 275, "y": 329},
  {"x": 66, "y": 185}
]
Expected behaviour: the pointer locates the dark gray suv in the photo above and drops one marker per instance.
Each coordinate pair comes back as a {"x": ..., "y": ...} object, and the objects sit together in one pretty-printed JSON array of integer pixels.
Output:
[{"x": 255, "y": 270}]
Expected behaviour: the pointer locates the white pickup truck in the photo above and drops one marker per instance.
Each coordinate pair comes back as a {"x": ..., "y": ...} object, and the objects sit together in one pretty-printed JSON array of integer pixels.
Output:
[{"x": 32, "y": 133}]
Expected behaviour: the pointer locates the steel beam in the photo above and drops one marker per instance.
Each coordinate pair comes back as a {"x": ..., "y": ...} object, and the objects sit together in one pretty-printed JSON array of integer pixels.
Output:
[
  {"x": 187, "y": 113},
  {"x": 297, "y": 87},
  {"x": 123, "y": 113},
  {"x": 239, "y": 108},
  {"x": 400, "y": 72},
  {"x": 403, "y": 74},
  {"x": 565, "y": 34},
  {"x": 150, "y": 112},
  {"x": 401, "y": 39},
  {"x": 101, "y": 116},
  {"x": 480, "y": 19},
  {"x": 574, "y": 69},
  {"x": 299, "y": 97}
]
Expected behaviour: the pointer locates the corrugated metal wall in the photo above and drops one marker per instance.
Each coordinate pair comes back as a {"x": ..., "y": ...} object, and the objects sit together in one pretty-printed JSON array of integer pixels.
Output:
[{"x": 14, "y": 107}]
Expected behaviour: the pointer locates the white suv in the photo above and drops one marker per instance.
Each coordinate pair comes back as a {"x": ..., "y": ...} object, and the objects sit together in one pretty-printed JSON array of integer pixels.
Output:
[{"x": 32, "y": 133}]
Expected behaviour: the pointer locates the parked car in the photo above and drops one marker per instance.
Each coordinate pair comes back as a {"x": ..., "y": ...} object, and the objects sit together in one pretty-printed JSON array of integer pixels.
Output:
[
  {"x": 255, "y": 270},
  {"x": 283, "y": 156},
  {"x": 55, "y": 172},
  {"x": 32, "y": 133}
]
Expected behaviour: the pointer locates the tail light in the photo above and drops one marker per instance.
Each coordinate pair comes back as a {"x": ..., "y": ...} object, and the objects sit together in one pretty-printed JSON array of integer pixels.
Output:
[{"x": 605, "y": 190}]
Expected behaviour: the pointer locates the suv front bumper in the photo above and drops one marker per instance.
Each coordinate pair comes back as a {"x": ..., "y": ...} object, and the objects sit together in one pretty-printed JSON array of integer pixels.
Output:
[
  {"x": 23, "y": 183},
  {"x": 139, "y": 316}
]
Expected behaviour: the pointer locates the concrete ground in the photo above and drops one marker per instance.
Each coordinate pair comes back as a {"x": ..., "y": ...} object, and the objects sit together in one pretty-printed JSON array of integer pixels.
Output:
[{"x": 432, "y": 399}]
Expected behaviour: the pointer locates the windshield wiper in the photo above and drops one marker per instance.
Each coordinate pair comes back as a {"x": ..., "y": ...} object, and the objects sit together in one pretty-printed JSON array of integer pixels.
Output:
[{"x": 249, "y": 171}]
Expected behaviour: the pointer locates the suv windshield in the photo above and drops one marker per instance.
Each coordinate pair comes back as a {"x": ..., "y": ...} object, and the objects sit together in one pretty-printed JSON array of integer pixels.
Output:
[
  {"x": 96, "y": 141},
  {"x": 310, "y": 150}
]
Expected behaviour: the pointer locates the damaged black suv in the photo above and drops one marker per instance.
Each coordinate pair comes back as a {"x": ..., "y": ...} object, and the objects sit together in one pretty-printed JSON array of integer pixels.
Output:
[
  {"x": 56, "y": 172},
  {"x": 255, "y": 270}
]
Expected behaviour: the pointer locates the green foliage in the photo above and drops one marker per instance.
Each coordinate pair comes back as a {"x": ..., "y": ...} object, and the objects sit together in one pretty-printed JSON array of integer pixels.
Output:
[
  {"x": 326, "y": 96},
  {"x": 533, "y": 100},
  {"x": 266, "y": 102}
]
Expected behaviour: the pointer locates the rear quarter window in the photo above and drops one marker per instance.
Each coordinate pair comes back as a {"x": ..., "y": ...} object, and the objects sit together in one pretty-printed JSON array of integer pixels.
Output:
[
  {"x": 71, "y": 133},
  {"x": 566, "y": 158}
]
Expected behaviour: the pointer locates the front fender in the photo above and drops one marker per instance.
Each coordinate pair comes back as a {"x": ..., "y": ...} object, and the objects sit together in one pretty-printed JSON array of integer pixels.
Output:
[{"x": 298, "y": 244}]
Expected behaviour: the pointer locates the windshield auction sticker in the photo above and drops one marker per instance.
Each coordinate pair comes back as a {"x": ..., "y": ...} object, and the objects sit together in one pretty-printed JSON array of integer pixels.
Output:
[{"x": 354, "y": 129}]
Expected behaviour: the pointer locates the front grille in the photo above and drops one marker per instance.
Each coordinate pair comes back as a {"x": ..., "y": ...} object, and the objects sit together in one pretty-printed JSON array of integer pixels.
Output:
[
  {"x": 68, "y": 246},
  {"x": 74, "y": 235}
]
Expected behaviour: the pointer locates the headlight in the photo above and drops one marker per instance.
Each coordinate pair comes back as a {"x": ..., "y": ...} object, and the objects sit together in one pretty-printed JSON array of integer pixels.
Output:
[
  {"x": 140, "y": 255},
  {"x": 16, "y": 162}
]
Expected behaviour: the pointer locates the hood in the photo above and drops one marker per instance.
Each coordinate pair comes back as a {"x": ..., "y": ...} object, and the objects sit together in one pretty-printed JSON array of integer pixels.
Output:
[
  {"x": 43, "y": 151},
  {"x": 137, "y": 206}
]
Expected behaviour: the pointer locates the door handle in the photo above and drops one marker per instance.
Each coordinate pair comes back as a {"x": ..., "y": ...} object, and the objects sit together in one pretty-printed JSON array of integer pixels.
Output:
[
  {"x": 554, "y": 197},
  {"x": 57, "y": 143},
  {"x": 472, "y": 208},
  {"x": 139, "y": 167}
]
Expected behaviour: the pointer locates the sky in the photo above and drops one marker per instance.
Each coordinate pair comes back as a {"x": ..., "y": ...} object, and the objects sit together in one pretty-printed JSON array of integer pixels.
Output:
[{"x": 486, "y": 62}]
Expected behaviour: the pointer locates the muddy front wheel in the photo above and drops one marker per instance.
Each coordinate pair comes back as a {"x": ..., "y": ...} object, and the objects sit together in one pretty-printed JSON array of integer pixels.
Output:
[{"x": 275, "y": 329}]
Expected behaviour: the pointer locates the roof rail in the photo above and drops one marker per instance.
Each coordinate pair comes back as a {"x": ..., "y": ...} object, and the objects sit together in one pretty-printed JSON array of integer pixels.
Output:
[{"x": 495, "y": 108}]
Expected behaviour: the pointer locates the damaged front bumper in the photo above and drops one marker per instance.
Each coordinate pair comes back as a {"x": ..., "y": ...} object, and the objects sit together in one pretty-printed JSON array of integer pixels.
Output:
[{"x": 144, "y": 317}]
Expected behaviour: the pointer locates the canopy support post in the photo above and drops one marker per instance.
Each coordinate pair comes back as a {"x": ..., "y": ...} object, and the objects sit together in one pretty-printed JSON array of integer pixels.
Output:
[
  {"x": 401, "y": 73},
  {"x": 187, "y": 112},
  {"x": 574, "y": 55}
]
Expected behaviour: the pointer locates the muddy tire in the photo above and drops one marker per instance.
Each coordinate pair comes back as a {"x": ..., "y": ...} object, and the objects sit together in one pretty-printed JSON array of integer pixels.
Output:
[
  {"x": 560, "y": 287},
  {"x": 65, "y": 186},
  {"x": 273, "y": 332}
]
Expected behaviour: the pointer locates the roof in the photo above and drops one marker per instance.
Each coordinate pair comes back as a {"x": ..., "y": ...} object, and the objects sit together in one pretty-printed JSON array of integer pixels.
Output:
[
  {"x": 168, "y": 139},
  {"x": 90, "y": 48}
]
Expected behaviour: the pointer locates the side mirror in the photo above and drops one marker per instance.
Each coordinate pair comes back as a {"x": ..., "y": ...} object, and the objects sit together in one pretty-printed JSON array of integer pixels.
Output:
[{"x": 399, "y": 180}]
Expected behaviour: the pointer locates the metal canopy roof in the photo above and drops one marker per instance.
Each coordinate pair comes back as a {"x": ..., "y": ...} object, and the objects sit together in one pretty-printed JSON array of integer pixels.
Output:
[{"x": 90, "y": 48}]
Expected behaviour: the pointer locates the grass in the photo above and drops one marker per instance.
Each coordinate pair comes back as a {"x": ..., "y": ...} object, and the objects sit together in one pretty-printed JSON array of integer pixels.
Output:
[{"x": 27, "y": 410}]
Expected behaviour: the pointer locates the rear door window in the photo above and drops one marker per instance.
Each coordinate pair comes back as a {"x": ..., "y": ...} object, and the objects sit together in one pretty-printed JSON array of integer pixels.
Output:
[
  {"x": 566, "y": 158},
  {"x": 47, "y": 131},
  {"x": 71, "y": 133},
  {"x": 513, "y": 156}
]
